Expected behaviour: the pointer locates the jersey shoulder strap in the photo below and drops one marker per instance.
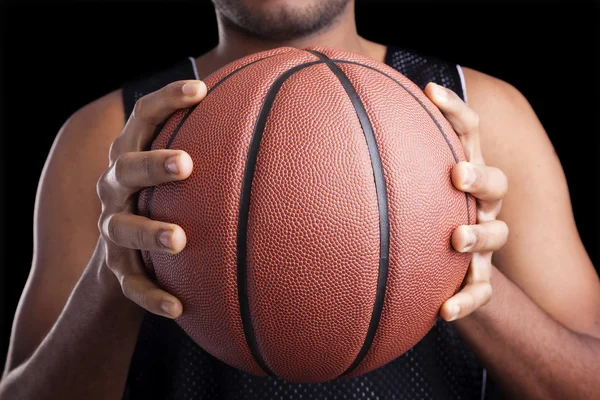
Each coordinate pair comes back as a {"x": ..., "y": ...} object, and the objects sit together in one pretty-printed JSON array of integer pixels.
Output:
[
  {"x": 422, "y": 69},
  {"x": 135, "y": 89}
]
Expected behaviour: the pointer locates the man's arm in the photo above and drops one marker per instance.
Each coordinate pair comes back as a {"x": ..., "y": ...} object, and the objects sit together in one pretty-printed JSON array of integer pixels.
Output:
[
  {"x": 529, "y": 353},
  {"x": 83, "y": 210},
  {"x": 94, "y": 335},
  {"x": 66, "y": 215},
  {"x": 540, "y": 333},
  {"x": 86, "y": 354}
]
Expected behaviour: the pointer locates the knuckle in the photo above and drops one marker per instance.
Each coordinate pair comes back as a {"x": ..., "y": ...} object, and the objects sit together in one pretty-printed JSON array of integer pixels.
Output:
[
  {"x": 140, "y": 239},
  {"x": 457, "y": 102},
  {"x": 139, "y": 108},
  {"x": 471, "y": 120},
  {"x": 101, "y": 186},
  {"x": 101, "y": 222},
  {"x": 480, "y": 238},
  {"x": 111, "y": 230},
  {"x": 504, "y": 230},
  {"x": 142, "y": 110},
  {"x": 479, "y": 177},
  {"x": 120, "y": 168},
  {"x": 146, "y": 165},
  {"x": 173, "y": 90},
  {"x": 486, "y": 292},
  {"x": 125, "y": 282},
  {"x": 114, "y": 151}
]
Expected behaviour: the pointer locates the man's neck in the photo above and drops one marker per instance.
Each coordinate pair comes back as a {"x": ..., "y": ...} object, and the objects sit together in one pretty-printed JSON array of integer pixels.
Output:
[{"x": 233, "y": 44}]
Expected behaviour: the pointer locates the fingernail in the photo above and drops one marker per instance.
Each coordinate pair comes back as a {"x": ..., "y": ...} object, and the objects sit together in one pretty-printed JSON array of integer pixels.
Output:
[
  {"x": 471, "y": 240},
  {"x": 191, "y": 88},
  {"x": 165, "y": 239},
  {"x": 171, "y": 165},
  {"x": 471, "y": 176},
  {"x": 167, "y": 307},
  {"x": 455, "y": 311}
]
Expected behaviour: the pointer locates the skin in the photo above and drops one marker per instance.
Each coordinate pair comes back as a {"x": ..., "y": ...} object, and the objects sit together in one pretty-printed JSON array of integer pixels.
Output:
[{"x": 81, "y": 309}]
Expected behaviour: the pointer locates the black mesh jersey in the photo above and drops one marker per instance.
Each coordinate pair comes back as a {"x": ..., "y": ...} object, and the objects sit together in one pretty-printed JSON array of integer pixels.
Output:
[{"x": 167, "y": 364}]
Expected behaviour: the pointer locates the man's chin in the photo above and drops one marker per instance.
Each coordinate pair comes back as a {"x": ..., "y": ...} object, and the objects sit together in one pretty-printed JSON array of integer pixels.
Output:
[{"x": 279, "y": 20}]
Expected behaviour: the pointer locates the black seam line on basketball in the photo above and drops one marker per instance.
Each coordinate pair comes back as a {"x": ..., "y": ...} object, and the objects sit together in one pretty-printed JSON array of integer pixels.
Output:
[
  {"x": 382, "y": 203},
  {"x": 180, "y": 124},
  {"x": 319, "y": 54},
  {"x": 316, "y": 53},
  {"x": 216, "y": 85},
  {"x": 151, "y": 195},
  {"x": 188, "y": 113},
  {"x": 435, "y": 121},
  {"x": 242, "y": 273}
]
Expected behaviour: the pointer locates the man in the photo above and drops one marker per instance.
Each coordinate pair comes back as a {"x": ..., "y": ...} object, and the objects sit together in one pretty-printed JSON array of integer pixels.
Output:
[{"x": 79, "y": 318}]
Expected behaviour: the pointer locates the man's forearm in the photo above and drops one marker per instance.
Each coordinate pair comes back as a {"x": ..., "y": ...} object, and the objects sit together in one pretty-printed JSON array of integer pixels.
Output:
[
  {"x": 530, "y": 354},
  {"x": 86, "y": 354}
]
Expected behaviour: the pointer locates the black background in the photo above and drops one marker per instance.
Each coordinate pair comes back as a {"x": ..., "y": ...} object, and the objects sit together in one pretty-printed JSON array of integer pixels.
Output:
[{"x": 58, "y": 56}]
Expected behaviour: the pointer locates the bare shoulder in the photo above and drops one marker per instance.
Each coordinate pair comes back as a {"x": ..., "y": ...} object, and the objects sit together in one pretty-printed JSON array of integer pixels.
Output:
[
  {"x": 96, "y": 122},
  {"x": 511, "y": 133},
  {"x": 493, "y": 98},
  {"x": 544, "y": 254},
  {"x": 81, "y": 145},
  {"x": 481, "y": 82}
]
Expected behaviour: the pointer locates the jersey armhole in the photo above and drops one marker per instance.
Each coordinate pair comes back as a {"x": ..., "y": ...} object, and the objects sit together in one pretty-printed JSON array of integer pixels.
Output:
[
  {"x": 463, "y": 84},
  {"x": 134, "y": 89},
  {"x": 194, "y": 68}
]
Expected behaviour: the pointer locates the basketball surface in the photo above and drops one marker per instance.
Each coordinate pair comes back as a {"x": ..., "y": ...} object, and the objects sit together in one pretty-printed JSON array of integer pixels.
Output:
[{"x": 318, "y": 215}]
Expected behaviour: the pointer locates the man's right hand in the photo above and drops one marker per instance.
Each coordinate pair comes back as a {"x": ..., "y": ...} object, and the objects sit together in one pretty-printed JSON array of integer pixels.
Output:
[{"x": 130, "y": 170}]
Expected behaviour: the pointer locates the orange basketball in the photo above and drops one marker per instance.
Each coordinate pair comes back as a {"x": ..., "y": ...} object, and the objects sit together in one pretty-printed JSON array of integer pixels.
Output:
[{"x": 318, "y": 216}]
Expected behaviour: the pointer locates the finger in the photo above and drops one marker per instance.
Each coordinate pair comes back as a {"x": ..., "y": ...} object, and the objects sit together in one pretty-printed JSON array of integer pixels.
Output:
[
  {"x": 463, "y": 119},
  {"x": 480, "y": 268},
  {"x": 136, "y": 170},
  {"x": 140, "y": 290},
  {"x": 136, "y": 232},
  {"x": 152, "y": 110},
  {"x": 469, "y": 299},
  {"x": 483, "y": 182},
  {"x": 486, "y": 236}
]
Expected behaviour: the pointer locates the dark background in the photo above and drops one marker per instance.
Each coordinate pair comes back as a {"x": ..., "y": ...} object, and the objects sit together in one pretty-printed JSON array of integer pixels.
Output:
[{"x": 57, "y": 57}]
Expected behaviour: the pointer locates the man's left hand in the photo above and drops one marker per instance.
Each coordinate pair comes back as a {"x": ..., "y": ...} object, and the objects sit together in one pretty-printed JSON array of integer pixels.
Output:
[{"x": 488, "y": 185}]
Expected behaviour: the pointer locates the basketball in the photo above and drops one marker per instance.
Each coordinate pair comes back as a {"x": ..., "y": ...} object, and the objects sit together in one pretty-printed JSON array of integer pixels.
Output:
[{"x": 318, "y": 215}]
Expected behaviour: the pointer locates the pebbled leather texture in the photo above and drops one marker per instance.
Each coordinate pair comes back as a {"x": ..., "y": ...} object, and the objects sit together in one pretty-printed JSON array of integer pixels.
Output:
[{"x": 313, "y": 228}]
